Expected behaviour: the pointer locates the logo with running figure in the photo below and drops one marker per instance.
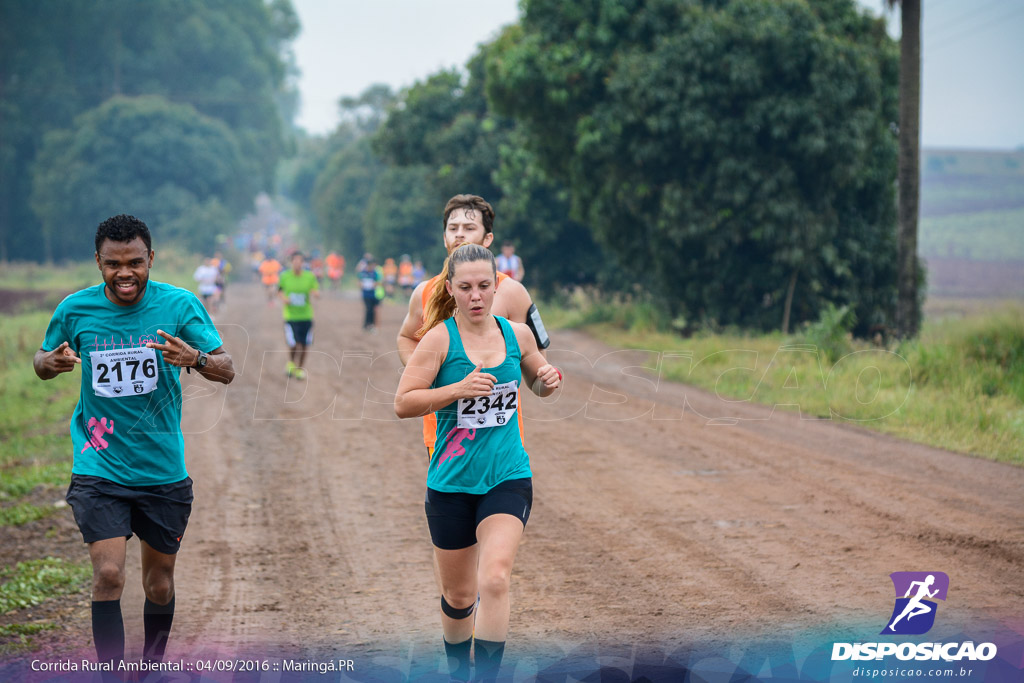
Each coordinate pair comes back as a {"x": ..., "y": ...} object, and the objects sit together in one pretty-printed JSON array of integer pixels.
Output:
[{"x": 914, "y": 612}]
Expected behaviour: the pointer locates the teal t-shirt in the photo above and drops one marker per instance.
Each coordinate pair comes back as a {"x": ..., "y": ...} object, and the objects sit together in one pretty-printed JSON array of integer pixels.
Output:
[
  {"x": 127, "y": 424},
  {"x": 297, "y": 289},
  {"x": 478, "y": 442}
]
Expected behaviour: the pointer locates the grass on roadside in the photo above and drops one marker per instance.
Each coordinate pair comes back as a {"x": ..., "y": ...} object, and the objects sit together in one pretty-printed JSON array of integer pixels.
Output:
[
  {"x": 17, "y": 638},
  {"x": 169, "y": 265},
  {"x": 34, "y": 419},
  {"x": 23, "y": 513},
  {"x": 959, "y": 386},
  {"x": 29, "y": 583}
]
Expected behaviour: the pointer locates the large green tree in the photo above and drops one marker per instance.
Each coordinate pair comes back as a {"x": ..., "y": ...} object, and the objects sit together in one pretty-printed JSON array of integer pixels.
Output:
[
  {"x": 444, "y": 124},
  {"x": 341, "y": 194},
  {"x": 338, "y": 176},
  {"x": 59, "y": 58},
  {"x": 735, "y": 156},
  {"x": 402, "y": 216},
  {"x": 163, "y": 162},
  {"x": 446, "y": 127}
]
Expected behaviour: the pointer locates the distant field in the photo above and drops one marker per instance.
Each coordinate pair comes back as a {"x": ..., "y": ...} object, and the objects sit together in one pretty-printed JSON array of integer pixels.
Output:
[{"x": 971, "y": 233}]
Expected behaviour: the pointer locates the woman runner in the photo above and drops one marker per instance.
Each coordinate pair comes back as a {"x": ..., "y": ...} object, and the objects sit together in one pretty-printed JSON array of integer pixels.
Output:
[{"x": 467, "y": 368}]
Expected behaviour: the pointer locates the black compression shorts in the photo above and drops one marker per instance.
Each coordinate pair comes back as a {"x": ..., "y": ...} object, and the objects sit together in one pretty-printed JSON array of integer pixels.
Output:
[{"x": 454, "y": 517}]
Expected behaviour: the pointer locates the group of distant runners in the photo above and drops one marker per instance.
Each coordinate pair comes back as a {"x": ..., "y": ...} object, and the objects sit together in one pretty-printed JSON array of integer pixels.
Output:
[{"x": 470, "y": 340}]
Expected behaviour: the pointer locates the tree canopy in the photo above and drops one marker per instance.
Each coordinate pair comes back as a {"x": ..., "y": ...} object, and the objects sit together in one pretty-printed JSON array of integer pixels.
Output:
[
  {"x": 726, "y": 153},
  {"x": 139, "y": 155},
  {"x": 229, "y": 61}
]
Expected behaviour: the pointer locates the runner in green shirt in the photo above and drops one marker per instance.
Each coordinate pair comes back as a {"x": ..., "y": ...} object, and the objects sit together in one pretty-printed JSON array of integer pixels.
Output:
[{"x": 297, "y": 287}]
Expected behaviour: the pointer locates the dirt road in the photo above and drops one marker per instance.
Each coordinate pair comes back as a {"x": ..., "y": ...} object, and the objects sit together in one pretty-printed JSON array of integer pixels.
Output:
[{"x": 651, "y": 524}]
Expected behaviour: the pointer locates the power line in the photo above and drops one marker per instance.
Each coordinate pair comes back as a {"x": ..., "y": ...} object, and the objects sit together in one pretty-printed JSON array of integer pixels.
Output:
[
  {"x": 951, "y": 38},
  {"x": 973, "y": 13}
]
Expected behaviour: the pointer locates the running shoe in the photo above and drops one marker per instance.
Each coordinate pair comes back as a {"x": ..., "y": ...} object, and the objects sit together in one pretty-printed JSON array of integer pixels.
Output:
[
  {"x": 299, "y": 373},
  {"x": 291, "y": 368}
]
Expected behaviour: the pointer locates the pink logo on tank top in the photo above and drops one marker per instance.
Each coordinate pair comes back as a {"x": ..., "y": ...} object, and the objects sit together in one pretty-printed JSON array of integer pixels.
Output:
[
  {"x": 454, "y": 447},
  {"x": 99, "y": 429}
]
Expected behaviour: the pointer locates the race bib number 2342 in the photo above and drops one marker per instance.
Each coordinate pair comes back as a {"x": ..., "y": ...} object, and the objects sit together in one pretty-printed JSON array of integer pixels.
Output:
[{"x": 494, "y": 410}]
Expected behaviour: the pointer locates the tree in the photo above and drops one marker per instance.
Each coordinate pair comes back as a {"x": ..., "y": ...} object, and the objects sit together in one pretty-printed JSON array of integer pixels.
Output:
[
  {"x": 60, "y": 58},
  {"x": 443, "y": 123},
  {"x": 908, "y": 310},
  {"x": 338, "y": 176},
  {"x": 341, "y": 194},
  {"x": 731, "y": 156},
  {"x": 445, "y": 127},
  {"x": 534, "y": 213},
  {"x": 402, "y": 216},
  {"x": 141, "y": 155}
]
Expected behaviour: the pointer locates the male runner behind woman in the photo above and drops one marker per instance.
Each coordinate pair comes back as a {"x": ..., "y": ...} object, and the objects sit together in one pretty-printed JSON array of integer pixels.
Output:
[
  {"x": 468, "y": 219},
  {"x": 468, "y": 367}
]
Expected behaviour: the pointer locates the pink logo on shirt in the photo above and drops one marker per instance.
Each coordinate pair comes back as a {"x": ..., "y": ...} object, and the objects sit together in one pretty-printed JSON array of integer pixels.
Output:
[
  {"x": 454, "y": 447},
  {"x": 99, "y": 429}
]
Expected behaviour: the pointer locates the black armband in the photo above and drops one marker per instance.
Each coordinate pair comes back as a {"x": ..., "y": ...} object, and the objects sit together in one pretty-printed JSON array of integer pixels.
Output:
[{"x": 536, "y": 326}]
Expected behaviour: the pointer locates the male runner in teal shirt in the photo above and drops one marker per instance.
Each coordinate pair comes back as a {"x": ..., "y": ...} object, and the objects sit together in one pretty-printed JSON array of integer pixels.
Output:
[{"x": 131, "y": 336}]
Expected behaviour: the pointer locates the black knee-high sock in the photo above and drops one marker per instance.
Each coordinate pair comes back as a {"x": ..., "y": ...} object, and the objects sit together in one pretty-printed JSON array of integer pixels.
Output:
[
  {"x": 458, "y": 658},
  {"x": 108, "y": 631},
  {"x": 157, "y": 622},
  {"x": 487, "y": 655}
]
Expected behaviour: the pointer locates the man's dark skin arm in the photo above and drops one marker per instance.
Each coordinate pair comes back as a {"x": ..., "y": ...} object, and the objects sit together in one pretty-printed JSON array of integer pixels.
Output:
[
  {"x": 49, "y": 364},
  {"x": 219, "y": 368},
  {"x": 178, "y": 353}
]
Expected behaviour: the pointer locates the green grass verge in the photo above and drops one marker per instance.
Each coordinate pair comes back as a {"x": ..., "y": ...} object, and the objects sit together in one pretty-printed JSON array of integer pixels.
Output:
[
  {"x": 29, "y": 583},
  {"x": 34, "y": 416},
  {"x": 17, "y": 638},
  {"x": 169, "y": 265},
  {"x": 960, "y": 386},
  {"x": 23, "y": 513}
]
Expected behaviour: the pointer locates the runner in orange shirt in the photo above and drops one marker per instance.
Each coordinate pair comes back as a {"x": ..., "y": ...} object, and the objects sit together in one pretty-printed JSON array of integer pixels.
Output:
[
  {"x": 405, "y": 276},
  {"x": 390, "y": 269},
  {"x": 270, "y": 271},
  {"x": 468, "y": 218},
  {"x": 335, "y": 269}
]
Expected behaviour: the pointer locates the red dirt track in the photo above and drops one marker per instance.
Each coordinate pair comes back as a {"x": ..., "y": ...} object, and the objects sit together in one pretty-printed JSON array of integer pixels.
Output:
[{"x": 308, "y": 529}]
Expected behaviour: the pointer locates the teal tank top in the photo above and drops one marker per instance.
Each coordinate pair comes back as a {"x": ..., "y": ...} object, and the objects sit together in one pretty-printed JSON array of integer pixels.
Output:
[{"x": 478, "y": 441}]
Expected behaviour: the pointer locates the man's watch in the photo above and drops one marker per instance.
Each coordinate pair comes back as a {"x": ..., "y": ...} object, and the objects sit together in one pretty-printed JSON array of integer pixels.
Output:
[{"x": 201, "y": 361}]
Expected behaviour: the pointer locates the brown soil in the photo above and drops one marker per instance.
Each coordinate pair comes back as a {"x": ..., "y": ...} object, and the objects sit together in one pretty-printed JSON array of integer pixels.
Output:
[
  {"x": 652, "y": 525},
  {"x": 20, "y": 300}
]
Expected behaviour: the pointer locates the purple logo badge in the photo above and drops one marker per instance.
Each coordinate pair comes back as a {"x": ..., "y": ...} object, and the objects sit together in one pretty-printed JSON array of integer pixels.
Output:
[{"x": 916, "y": 592}]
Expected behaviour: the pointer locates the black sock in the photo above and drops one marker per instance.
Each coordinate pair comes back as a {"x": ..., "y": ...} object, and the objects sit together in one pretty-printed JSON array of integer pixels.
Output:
[
  {"x": 157, "y": 621},
  {"x": 487, "y": 655},
  {"x": 458, "y": 658},
  {"x": 108, "y": 631}
]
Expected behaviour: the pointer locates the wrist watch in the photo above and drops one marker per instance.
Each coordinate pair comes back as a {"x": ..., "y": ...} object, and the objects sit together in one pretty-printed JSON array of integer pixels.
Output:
[{"x": 201, "y": 361}]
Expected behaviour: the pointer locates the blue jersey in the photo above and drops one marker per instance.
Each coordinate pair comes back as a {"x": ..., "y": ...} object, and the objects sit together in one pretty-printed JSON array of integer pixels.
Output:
[
  {"x": 127, "y": 424},
  {"x": 478, "y": 441}
]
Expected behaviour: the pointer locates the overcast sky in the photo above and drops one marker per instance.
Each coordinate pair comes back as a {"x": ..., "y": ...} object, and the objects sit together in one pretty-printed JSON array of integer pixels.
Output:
[{"x": 973, "y": 58}]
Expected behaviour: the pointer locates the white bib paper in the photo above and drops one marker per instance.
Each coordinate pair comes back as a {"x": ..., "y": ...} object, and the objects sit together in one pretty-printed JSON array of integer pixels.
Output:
[
  {"x": 130, "y": 371},
  {"x": 495, "y": 410},
  {"x": 297, "y": 299}
]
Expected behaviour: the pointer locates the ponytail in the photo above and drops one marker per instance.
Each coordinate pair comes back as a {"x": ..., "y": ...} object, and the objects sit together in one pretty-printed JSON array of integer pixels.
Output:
[{"x": 440, "y": 304}]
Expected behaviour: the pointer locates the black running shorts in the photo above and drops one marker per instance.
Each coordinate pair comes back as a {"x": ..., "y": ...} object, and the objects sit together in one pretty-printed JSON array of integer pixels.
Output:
[
  {"x": 454, "y": 517},
  {"x": 105, "y": 509},
  {"x": 298, "y": 331}
]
